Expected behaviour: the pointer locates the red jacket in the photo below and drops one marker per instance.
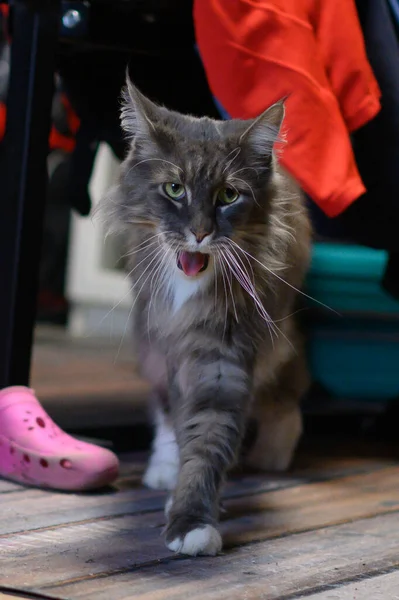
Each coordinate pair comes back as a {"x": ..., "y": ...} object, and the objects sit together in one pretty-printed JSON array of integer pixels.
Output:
[{"x": 258, "y": 51}]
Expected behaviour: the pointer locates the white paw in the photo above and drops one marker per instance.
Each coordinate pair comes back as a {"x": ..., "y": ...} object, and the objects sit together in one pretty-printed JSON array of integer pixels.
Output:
[
  {"x": 163, "y": 468},
  {"x": 203, "y": 540},
  {"x": 161, "y": 475}
]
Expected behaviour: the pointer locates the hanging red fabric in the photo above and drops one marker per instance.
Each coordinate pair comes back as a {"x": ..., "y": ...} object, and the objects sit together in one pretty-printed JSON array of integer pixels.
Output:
[{"x": 256, "y": 52}]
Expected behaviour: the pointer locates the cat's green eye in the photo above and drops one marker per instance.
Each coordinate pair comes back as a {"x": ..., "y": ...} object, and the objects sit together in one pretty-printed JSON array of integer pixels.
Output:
[
  {"x": 175, "y": 191},
  {"x": 227, "y": 195}
]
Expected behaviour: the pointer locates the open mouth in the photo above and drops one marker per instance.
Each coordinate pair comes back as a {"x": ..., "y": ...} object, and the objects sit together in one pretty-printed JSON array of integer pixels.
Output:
[{"x": 192, "y": 263}]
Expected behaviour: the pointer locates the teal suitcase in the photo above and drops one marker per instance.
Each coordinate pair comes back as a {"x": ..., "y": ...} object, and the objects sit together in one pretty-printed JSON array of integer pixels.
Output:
[{"x": 354, "y": 355}]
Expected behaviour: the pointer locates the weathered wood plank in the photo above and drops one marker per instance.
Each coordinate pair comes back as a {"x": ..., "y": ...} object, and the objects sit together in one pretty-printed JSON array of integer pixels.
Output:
[
  {"x": 13, "y": 597},
  {"x": 131, "y": 469},
  {"x": 80, "y": 385},
  {"x": 279, "y": 569},
  {"x": 80, "y": 550},
  {"x": 99, "y": 548},
  {"x": 8, "y": 593},
  {"x": 309, "y": 506},
  {"x": 35, "y": 509},
  {"x": 17, "y": 596},
  {"x": 383, "y": 587},
  {"x": 9, "y": 486}
]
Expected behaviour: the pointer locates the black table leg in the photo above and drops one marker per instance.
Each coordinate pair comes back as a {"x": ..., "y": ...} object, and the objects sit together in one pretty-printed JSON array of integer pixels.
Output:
[{"x": 23, "y": 178}]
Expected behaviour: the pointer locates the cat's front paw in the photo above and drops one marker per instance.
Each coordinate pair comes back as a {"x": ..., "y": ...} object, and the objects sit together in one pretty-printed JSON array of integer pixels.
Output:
[
  {"x": 193, "y": 538},
  {"x": 203, "y": 541},
  {"x": 161, "y": 475}
]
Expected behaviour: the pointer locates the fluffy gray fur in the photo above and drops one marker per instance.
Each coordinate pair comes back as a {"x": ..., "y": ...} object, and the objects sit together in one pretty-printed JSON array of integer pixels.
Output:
[{"x": 222, "y": 346}]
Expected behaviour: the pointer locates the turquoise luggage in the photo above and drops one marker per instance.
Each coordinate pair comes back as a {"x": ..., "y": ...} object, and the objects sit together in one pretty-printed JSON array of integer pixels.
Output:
[{"x": 353, "y": 355}]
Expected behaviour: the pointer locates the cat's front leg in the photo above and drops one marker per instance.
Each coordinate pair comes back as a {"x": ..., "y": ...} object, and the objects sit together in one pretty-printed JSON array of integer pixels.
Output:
[
  {"x": 277, "y": 411},
  {"x": 163, "y": 466},
  {"x": 214, "y": 395}
]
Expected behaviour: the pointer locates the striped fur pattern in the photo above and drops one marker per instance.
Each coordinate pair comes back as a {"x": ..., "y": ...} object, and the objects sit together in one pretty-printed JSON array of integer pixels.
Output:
[{"x": 223, "y": 346}]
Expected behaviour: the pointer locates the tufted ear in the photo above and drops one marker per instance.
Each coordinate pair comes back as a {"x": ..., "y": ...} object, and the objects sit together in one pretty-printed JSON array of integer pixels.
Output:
[
  {"x": 263, "y": 132},
  {"x": 138, "y": 113}
]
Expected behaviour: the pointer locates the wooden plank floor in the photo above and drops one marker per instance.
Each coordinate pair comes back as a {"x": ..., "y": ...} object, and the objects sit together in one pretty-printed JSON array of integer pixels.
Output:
[
  {"x": 86, "y": 382},
  {"x": 329, "y": 530}
]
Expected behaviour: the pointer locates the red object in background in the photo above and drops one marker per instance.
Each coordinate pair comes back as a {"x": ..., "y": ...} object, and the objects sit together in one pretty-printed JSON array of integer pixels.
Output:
[
  {"x": 52, "y": 307},
  {"x": 4, "y": 8},
  {"x": 256, "y": 51},
  {"x": 57, "y": 141},
  {"x": 2, "y": 120},
  {"x": 63, "y": 142}
]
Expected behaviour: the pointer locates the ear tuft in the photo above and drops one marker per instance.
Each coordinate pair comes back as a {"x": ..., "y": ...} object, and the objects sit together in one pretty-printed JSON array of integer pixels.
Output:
[
  {"x": 275, "y": 114},
  {"x": 137, "y": 112},
  {"x": 263, "y": 132}
]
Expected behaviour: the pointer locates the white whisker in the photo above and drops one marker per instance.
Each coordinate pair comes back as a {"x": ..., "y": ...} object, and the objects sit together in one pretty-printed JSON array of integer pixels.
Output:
[
  {"x": 233, "y": 249},
  {"x": 244, "y": 169},
  {"x": 124, "y": 331},
  {"x": 245, "y": 282},
  {"x": 154, "y": 285},
  {"x": 236, "y": 152},
  {"x": 139, "y": 247},
  {"x": 230, "y": 283},
  {"x": 142, "y": 249},
  {"x": 225, "y": 295},
  {"x": 216, "y": 284},
  {"x": 155, "y": 159},
  {"x": 259, "y": 305},
  {"x": 292, "y": 314},
  {"x": 109, "y": 312},
  {"x": 250, "y": 188},
  {"x": 284, "y": 281},
  {"x": 137, "y": 296},
  {"x": 142, "y": 260},
  {"x": 138, "y": 222}
]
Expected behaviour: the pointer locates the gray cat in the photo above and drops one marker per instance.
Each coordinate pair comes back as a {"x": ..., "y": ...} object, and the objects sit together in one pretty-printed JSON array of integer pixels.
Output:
[{"x": 219, "y": 242}]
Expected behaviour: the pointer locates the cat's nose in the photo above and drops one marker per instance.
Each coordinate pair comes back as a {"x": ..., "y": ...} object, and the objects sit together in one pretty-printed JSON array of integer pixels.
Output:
[{"x": 200, "y": 235}]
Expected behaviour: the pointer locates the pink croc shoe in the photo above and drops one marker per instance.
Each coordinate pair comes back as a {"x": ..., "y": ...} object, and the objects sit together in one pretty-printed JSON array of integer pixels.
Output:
[{"x": 35, "y": 451}]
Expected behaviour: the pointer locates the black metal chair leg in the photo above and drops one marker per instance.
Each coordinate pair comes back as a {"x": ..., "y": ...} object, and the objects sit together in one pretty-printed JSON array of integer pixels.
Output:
[{"x": 23, "y": 177}]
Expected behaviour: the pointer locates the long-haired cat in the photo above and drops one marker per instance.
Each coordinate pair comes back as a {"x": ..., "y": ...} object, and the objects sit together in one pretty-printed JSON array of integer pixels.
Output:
[{"x": 219, "y": 243}]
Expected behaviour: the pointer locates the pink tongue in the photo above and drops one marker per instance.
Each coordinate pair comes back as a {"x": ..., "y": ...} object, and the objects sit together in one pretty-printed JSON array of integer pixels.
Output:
[{"x": 191, "y": 262}]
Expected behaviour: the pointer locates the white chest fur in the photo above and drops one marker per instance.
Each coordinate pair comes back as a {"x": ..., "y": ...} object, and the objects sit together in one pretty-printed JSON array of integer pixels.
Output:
[{"x": 183, "y": 288}]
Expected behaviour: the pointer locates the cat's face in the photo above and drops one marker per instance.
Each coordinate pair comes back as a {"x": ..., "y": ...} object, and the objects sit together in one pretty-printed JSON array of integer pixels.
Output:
[{"x": 196, "y": 182}]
